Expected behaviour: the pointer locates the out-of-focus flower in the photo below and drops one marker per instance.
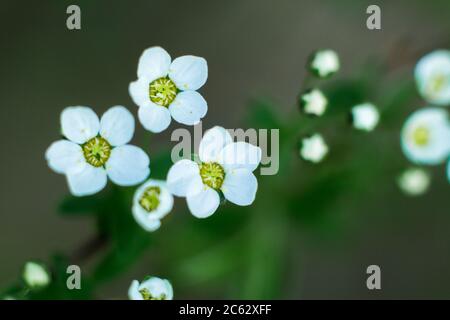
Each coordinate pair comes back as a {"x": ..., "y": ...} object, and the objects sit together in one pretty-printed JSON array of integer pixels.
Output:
[
  {"x": 425, "y": 136},
  {"x": 313, "y": 102},
  {"x": 324, "y": 63},
  {"x": 35, "y": 275},
  {"x": 152, "y": 201},
  {"x": 313, "y": 148},
  {"x": 166, "y": 89},
  {"x": 432, "y": 75},
  {"x": 96, "y": 149},
  {"x": 152, "y": 288},
  {"x": 448, "y": 170},
  {"x": 414, "y": 181},
  {"x": 224, "y": 166},
  {"x": 365, "y": 116}
]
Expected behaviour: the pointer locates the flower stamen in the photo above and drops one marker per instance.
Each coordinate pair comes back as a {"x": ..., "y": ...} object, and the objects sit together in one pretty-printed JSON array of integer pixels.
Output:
[
  {"x": 150, "y": 198},
  {"x": 97, "y": 151},
  {"x": 162, "y": 91},
  {"x": 421, "y": 136},
  {"x": 146, "y": 295},
  {"x": 212, "y": 174}
]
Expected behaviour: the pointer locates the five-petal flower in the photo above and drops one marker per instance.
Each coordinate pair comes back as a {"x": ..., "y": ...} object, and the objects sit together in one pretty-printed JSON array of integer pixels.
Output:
[{"x": 153, "y": 288}]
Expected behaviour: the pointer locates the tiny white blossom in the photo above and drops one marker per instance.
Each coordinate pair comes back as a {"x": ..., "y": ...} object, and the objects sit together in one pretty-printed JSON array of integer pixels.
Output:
[
  {"x": 432, "y": 75},
  {"x": 96, "y": 149},
  {"x": 365, "y": 116},
  {"x": 314, "y": 102},
  {"x": 35, "y": 275},
  {"x": 167, "y": 89},
  {"x": 152, "y": 288},
  {"x": 425, "y": 136},
  {"x": 152, "y": 201},
  {"x": 313, "y": 148},
  {"x": 225, "y": 166},
  {"x": 325, "y": 63},
  {"x": 414, "y": 181}
]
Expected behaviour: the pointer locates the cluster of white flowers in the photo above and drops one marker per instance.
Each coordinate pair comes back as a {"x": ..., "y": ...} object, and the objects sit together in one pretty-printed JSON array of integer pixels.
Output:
[
  {"x": 95, "y": 149},
  {"x": 425, "y": 136}
]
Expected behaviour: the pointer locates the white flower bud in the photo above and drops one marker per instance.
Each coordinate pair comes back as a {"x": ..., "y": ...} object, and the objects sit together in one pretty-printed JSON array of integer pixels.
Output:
[
  {"x": 313, "y": 102},
  {"x": 35, "y": 275},
  {"x": 325, "y": 63},
  {"x": 365, "y": 117},
  {"x": 414, "y": 181},
  {"x": 313, "y": 148}
]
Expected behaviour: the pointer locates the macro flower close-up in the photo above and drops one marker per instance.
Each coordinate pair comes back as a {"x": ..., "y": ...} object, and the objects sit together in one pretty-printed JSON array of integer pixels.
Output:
[
  {"x": 167, "y": 89},
  {"x": 97, "y": 149},
  {"x": 225, "y": 166}
]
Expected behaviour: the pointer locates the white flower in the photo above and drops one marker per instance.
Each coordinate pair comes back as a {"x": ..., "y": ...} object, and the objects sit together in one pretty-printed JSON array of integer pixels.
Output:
[
  {"x": 324, "y": 63},
  {"x": 35, "y": 275},
  {"x": 151, "y": 289},
  {"x": 166, "y": 89},
  {"x": 314, "y": 102},
  {"x": 152, "y": 201},
  {"x": 365, "y": 116},
  {"x": 414, "y": 181},
  {"x": 432, "y": 75},
  {"x": 225, "y": 166},
  {"x": 96, "y": 149},
  {"x": 425, "y": 136},
  {"x": 313, "y": 148}
]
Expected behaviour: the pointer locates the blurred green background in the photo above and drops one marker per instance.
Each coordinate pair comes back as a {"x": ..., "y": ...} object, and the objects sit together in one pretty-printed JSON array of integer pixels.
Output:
[{"x": 312, "y": 231}]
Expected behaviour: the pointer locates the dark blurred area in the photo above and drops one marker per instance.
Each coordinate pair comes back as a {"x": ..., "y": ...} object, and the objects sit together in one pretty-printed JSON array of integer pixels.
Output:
[{"x": 254, "y": 48}]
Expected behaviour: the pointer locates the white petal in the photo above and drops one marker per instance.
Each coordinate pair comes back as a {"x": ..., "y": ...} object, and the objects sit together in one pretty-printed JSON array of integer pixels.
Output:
[
  {"x": 314, "y": 148},
  {"x": 154, "y": 118},
  {"x": 154, "y": 63},
  {"x": 79, "y": 124},
  {"x": 165, "y": 202},
  {"x": 117, "y": 126},
  {"x": 240, "y": 187},
  {"x": 146, "y": 223},
  {"x": 87, "y": 182},
  {"x": 139, "y": 92},
  {"x": 133, "y": 291},
  {"x": 128, "y": 165},
  {"x": 189, "y": 72},
  {"x": 240, "y": 155},
  {"x": 188, "y": 107},
  {"x": 365, "y": 116},
  {"x": 182, "y": 175},
  {"x": 204, "y": 203},
  {"x": 213, "y": 141},
  {"x": 64, "y": 156}
]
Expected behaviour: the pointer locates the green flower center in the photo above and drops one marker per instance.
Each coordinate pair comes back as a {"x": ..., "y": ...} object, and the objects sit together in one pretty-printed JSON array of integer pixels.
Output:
[
  {"x": 421, "y": 136},
  {"x": 148, "y": 296},
  {"x": 437, "y": 83},
  {"x": 150, "y": 198},
  {"x": 97, "y": 151},
  {"x": 212, "y": 174},
  {"x": 162, "y": 91}
]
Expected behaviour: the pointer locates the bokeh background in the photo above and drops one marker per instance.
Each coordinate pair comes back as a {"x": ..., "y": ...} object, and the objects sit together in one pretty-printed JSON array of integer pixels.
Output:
[{"x": 312, "y": 232}]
